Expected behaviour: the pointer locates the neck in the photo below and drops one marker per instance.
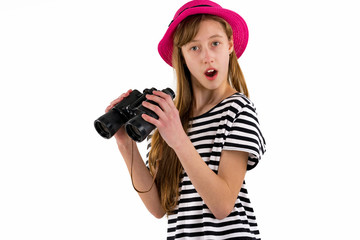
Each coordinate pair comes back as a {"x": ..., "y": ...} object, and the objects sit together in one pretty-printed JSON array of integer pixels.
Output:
[{"x": 206, "y": 99}]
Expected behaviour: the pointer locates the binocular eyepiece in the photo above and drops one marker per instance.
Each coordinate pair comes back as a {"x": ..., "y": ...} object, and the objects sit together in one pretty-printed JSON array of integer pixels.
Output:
[{"x": 129, "y": 112}]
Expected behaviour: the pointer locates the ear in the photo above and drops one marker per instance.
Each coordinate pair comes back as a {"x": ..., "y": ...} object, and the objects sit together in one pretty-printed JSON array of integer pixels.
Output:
[{"x": 231, "y": 45}]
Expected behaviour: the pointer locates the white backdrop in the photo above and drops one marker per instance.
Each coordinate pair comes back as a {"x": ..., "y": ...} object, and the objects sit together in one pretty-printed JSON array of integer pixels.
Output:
[{"x": 62, "y": 62}]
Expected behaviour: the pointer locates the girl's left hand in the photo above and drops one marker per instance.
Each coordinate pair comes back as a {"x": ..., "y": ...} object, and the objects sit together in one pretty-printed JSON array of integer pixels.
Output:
[{"x": 169, "y": 123}]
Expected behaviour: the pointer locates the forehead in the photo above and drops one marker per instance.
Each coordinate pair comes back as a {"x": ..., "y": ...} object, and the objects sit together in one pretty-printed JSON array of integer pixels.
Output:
[{"x": 209, "y": 28}]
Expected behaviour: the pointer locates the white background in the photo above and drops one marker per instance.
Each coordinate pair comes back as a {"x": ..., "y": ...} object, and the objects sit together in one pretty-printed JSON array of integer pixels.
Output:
[{"x": 62, "y": 62}]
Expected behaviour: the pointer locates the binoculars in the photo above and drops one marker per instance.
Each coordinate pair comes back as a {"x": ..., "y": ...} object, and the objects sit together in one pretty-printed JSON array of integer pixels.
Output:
[{"x": 128, "y": 112}]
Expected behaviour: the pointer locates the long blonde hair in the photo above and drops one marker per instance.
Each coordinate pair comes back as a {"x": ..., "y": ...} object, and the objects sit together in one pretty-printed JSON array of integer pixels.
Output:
[{"x": 161, "y": 155}]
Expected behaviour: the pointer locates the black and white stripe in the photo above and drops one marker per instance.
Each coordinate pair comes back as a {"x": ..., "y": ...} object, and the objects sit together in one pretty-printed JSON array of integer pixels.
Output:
[{"x": 230, "y": 125}]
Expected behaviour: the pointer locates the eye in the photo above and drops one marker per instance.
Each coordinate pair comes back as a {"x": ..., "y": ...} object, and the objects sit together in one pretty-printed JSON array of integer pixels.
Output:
[
  {"x": 194, "y": 48},
  {"x": 214, "y": 44}
]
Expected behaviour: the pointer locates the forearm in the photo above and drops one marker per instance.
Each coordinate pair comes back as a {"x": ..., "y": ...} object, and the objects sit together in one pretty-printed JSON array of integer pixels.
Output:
[
  {"x": 211, "y": 187},
  {"x": 142, "y": 179}
]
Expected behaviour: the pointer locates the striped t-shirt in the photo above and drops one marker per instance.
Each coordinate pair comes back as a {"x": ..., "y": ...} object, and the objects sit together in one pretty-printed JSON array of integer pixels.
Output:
[{"x": 230, "y": 125}]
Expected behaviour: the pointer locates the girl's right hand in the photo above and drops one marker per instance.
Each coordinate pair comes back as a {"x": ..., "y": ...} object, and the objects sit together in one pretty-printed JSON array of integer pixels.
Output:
[{"x": 121, "y": 136}]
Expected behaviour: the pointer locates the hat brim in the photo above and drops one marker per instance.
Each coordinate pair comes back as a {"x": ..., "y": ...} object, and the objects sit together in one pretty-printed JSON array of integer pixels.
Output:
[{"x": 237, "y": 23}]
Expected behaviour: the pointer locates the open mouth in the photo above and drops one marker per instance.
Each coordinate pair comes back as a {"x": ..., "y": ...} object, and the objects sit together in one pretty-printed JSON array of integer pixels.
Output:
[{"x": 211, "y": 73}]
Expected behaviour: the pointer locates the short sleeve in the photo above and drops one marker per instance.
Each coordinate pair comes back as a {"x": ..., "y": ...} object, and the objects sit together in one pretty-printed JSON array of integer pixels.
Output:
[{"x": 245, "y": 135}]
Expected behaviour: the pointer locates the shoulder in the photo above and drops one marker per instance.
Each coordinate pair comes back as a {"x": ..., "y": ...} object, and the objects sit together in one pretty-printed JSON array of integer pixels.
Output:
[{"x": 240, "y": 103}]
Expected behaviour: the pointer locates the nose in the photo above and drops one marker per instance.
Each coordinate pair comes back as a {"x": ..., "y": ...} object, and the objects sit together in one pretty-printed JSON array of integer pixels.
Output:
[{"x": 208, "y": 56}]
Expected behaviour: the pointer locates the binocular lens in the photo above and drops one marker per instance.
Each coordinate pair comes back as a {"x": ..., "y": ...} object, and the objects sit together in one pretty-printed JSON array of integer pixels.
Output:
[
  {"x": 102, "y": 129},
  {"x": 133, "y": 132}
]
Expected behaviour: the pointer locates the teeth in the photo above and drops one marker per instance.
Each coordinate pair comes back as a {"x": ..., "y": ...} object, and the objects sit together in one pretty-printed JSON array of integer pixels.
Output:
[{"x": 210, "y": 71}]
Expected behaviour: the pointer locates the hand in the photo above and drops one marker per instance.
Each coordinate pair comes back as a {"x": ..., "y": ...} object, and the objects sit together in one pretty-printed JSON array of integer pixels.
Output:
[
  {"x": 169, "y": 123},
  {"x": 121, "y": 136}
]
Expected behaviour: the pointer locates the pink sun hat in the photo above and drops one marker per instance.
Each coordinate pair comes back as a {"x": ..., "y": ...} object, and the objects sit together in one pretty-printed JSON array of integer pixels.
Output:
[{"x": 237, "y": 23}]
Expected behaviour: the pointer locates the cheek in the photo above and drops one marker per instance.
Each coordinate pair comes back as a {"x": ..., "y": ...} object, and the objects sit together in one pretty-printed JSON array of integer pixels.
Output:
[
  {"x": 225, "y": 60},
  {"x": 190, "y": 63},
  {"x": 193, "y": 71}
]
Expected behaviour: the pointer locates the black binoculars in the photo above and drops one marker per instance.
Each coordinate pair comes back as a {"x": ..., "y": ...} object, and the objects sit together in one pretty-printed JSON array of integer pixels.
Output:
[{"x": 128, "y": 112}]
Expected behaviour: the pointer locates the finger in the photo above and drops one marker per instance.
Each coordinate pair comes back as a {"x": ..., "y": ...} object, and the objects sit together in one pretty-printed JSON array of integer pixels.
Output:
[
  {"x": 165, "y": 96},
  {"x": 108, "y": 108},
  {"x": 150, "y": 119},
  {"x": 117, "y": 100},
  {"x": 156, "y": 109},
  {"x": 113, "y": 103},
  {"x": 122, "y": 96},
  {"x": 168, "y": 99},
  {"x": 165, "y": 106}
]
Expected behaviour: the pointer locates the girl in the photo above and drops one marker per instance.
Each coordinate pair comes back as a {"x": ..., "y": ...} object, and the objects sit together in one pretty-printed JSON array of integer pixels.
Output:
[{"x": 207, "y": 138}]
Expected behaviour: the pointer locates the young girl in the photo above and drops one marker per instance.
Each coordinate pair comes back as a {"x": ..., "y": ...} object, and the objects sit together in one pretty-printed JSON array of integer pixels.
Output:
[{"x": 207, "y": 138}]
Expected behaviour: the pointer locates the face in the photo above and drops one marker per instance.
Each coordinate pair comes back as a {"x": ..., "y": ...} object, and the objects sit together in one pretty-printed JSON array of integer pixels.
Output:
[{"x": 207, "y": 56}]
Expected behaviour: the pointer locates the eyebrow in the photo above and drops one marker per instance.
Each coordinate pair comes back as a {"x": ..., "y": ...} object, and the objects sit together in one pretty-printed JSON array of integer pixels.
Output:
[{"x": 213, "y": 36}]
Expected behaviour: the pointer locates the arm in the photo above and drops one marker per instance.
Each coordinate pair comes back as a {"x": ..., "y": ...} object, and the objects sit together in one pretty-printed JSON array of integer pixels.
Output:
[
  {"x": 142, "y": 179},
  {"x": 141, "y": 175},
  {"x": 219, "y": 191}
]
